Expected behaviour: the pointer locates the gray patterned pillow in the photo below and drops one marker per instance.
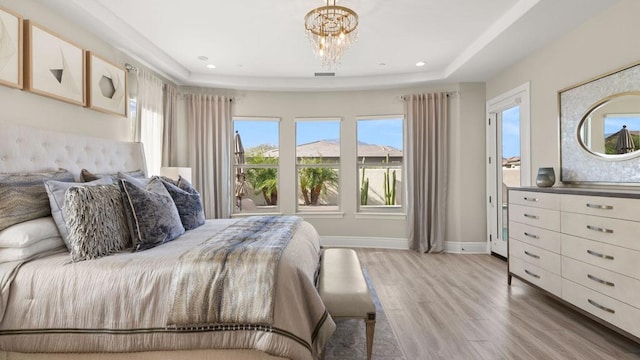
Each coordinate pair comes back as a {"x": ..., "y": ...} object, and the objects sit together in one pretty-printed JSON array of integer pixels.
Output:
[
  {"x": 188, "y": 202},
  {"x": 151, "y": 213},
  {"x": 56, "y": 191},
  {"x": 96, "y": 220},
  {"x": 23, "y": 196}
]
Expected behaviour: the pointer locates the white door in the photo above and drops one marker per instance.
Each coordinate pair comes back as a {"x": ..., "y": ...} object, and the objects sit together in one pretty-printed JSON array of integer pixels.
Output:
[{"x": 507, "y": 160}]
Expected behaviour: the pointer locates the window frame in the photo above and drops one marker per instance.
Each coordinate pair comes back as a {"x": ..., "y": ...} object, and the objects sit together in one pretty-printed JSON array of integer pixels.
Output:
[
  {"x": 381, "y": 211},
  {"x": 276, "y": 209}
]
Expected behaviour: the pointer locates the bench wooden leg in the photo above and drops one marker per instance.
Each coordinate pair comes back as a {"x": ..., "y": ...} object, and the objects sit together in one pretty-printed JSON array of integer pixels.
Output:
[{"x": 371, "y": 326}]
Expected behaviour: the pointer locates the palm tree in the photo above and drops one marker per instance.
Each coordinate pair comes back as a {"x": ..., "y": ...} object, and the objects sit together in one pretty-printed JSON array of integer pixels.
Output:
[
  {"x": 264, "y": 180},
  {"x": 314, "y": 181}
]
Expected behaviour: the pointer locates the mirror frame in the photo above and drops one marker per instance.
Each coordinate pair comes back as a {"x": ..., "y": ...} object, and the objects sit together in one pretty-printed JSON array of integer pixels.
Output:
[{"x": 577, "y": 164}]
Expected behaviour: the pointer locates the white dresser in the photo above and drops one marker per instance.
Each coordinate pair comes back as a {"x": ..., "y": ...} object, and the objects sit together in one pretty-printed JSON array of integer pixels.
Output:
[{"x": 581, "y": 245}]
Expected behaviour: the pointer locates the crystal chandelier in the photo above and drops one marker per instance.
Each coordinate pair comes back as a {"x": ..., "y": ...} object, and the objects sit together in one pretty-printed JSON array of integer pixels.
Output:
[{"x": 331, "y": 29}]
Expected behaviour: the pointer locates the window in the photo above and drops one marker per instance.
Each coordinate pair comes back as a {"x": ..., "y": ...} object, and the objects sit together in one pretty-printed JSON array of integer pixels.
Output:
[
  {"x": 318, "y": 164},
  {"x": 380, "y": 163},
  {"x": 255, "y": 165}
]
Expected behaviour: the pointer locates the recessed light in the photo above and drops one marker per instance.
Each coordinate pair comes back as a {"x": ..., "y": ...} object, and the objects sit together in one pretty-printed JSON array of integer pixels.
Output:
[
  {"x": 211, "y": 66},
  {"x": 420, "y": 63},
  {"x": 203, "y": 58}
]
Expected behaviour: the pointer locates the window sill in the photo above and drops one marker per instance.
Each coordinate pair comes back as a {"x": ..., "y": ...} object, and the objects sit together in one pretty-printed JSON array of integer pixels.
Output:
[
  {"x": 381, "y": 215},
  {"x": 321, "y": 214}
]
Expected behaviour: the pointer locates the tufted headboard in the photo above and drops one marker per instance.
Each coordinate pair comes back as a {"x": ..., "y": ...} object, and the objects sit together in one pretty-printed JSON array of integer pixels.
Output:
[{"x": 27, "y": 149}]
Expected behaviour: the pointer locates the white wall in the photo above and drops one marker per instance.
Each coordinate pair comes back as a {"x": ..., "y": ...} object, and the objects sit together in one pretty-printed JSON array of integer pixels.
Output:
[
  {"x": 466, "y": 212},
  {"x": 606, "y": 42},
  {"x": 23, "y": 107}
]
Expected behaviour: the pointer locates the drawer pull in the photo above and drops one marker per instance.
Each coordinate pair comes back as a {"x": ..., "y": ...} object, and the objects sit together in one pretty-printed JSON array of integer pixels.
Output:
[
  {"x": 600, "y": 280},
  {"x": 531, "y": 235},
  {"x": 601, "y": 307},
  {"x": 531, "y": 199},
  {"x": 532, "y": 255},
  {"x": 531, "y": 216},
  {"x": 597, "y": 254},
  {"x": 532, "y": 274},
  {"x": 599, "y": 229},
  {"x": 598, "y": 206}
]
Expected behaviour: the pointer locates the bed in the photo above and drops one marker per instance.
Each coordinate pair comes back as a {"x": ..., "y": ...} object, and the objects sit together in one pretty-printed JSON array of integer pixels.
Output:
[{"x": 126, "y": 302}]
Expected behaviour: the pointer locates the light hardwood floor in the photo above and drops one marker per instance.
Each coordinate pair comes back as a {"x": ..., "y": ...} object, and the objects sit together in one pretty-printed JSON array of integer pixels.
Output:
[{"x": 450, "y": 306}]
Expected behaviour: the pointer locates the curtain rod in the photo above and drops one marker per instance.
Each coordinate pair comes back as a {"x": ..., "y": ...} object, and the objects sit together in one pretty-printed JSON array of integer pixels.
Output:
[
  {"x": 130, "y": 67},
  {"x": 448, "y": 93}
]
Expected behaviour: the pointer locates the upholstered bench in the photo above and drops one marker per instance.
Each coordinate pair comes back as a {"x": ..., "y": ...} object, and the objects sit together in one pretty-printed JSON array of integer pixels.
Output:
[{"x": 344, "y": 290}]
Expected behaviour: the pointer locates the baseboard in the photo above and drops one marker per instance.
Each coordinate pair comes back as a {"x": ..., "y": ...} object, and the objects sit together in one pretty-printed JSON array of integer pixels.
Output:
[
  {"x": 364, "y": 242},
  {"x": 466, "y": 247}
]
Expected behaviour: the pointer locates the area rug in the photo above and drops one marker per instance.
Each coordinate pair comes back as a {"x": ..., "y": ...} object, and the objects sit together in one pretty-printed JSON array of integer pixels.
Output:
[{"x": 349, "y": 342}]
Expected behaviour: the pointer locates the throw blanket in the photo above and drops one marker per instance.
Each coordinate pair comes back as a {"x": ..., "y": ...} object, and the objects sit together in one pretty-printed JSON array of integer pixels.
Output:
[{"x": 230, "y": 278}]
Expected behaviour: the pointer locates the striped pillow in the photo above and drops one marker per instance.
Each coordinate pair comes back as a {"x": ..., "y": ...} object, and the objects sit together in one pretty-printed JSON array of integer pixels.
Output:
[{"x": 23, "y": 196}]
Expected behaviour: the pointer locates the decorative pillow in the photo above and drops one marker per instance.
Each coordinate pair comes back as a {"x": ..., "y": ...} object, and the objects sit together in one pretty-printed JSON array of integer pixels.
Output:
[
  {"x": 86, "y": 175},
  {"x": 188, "y": 203},
  {"x": 96, "y": 221},
  {"x": 56, "y": 191},
  {"x": 26, "y": 253},
  {"x": 24, "y": 196},
  {"x": 28, "y": 233},
  {"x": 152, "y": 215},
  {"x": 138, "y": 181}
]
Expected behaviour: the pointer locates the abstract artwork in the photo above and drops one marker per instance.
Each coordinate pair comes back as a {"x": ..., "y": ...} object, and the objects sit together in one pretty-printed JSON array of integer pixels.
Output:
[
  {"x": 10, "y": 49},
  {"x": 55, "y": 67},
  {"x": 107, "y": 86}
]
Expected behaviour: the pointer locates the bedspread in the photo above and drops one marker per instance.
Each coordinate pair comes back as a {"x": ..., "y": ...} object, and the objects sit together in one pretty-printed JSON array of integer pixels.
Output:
[{"x": 120, "y": 303}]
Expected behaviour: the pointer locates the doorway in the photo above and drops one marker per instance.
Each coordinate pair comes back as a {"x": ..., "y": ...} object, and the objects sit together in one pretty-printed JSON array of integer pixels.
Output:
[{"x": 508, "y": 159}]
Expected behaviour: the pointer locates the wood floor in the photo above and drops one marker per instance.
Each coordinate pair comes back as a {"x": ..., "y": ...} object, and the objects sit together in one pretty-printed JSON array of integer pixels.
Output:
[{"x": 450, "y": 306}]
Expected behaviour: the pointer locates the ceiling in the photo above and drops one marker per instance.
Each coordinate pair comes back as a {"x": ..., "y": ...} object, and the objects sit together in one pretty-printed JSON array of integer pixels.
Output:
[{"x": 261, "y": 45}]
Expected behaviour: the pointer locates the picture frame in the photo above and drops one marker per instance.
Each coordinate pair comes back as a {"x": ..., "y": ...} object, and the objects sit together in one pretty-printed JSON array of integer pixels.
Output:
[
  {"x": 11, "y": 49},
  {"x": 106, "y": 85},
  {"x": 55, "y": 67}
]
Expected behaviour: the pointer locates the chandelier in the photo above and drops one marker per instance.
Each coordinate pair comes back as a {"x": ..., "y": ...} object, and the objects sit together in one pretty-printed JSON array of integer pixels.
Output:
[{"x": 331, "y": 29}]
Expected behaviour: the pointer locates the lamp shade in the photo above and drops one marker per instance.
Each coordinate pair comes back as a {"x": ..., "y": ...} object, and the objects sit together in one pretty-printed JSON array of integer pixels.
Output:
[{"x": 174, "y": 172}]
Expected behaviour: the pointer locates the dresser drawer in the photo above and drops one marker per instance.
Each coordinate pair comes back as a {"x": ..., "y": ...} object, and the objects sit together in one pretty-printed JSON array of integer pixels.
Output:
[
  {"x": 624, "y": 316},
  {"x": 542, "y": 238},
  {"x": 544, "y": 259},
  {"x": 614, "y": 258},
  {"x": 535, "y": 199},
  {"x": 621, "y": 208},
  {"x": 544, "y": 279},
  {"x": 542, "y": 218},
  {"x": 612, "y": 231},
  {"x": 606, "y": 282}
]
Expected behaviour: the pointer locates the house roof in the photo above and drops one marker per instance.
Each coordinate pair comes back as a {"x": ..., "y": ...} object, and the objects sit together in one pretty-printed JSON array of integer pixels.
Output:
[{"x": 331, "y": 148}]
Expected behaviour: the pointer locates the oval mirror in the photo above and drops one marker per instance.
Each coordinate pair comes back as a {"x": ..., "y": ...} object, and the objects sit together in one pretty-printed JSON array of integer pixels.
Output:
[{"x": 611, "y": 128}]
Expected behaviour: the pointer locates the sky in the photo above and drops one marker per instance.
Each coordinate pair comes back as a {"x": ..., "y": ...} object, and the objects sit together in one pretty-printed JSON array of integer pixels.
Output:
[
  {"x": 511, "y": 132},
  {"x": 374, "y": 131},
  {"x": 614, "y": 124}
]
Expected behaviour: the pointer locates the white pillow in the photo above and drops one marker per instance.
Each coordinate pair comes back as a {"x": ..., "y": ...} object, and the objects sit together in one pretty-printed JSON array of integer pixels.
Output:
[
  {"x": 29, "y": 232},
  {"x": 25, "y": 253}
]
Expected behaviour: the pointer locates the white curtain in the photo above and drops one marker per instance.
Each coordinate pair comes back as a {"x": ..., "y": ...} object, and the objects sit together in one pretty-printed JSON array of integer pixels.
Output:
[
  {"x": 149, "y": 126},
  {"x": 427, "y": 167},
  {"x": 209, "y": 123},
  {"x": 170, "y": 133}
]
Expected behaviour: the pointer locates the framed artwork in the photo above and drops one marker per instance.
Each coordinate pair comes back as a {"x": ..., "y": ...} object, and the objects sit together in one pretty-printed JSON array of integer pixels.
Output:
[
  {"x": 10, "y": 48},
  {"x": 106, "y": 86},
  {"x": 54, "y": 67}
]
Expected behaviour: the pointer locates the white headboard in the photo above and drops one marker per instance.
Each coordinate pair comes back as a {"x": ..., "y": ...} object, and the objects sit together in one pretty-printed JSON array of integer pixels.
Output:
[{"x": 27, "y": 149}]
